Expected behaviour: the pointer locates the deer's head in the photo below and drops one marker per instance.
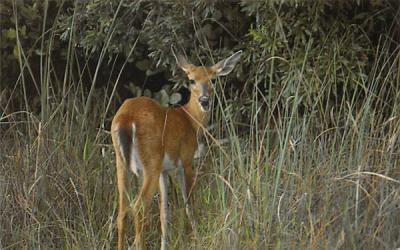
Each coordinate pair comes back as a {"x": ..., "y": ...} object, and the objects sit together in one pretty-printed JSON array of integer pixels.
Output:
[{"x": 202, "y": 89}]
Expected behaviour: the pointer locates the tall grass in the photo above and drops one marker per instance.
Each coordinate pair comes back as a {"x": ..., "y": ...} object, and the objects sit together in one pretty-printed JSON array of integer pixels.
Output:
[{"x": 321, "y": 178}]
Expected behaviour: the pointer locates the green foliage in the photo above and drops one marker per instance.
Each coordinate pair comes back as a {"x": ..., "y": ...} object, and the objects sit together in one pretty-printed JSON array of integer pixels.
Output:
[
  {"x": 305, "y": 40},
  {"x": 157, "y": 25},
  {"x": 22, "y": 29},
  {"x": 323, "y": 40}
]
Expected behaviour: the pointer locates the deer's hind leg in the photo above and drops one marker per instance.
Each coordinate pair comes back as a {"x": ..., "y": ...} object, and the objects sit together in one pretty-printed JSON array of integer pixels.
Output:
[
  {"x": 122, "y": 140},
  {"x": 122, "y": 203},
  {"x": 143, "y": 201}
]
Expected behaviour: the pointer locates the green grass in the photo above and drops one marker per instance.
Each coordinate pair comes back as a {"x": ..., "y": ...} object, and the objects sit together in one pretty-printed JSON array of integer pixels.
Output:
[{"x": 322, "y": 178}]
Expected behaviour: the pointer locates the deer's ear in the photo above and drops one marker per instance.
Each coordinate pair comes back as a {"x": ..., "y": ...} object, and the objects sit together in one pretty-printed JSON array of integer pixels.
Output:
[
  {"x": 181, "y": 61},
  {"x": 226, "y": 66}
]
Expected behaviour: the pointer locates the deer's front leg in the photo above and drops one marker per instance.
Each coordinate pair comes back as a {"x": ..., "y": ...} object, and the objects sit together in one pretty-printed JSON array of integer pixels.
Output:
[
  {"x": 187, "y": 179},
  {"x": 164, "y": 209}
]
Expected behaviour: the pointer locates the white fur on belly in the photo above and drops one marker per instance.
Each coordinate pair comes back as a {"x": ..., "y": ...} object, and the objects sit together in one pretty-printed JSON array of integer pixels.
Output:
[{"x": 169, "y": 164}]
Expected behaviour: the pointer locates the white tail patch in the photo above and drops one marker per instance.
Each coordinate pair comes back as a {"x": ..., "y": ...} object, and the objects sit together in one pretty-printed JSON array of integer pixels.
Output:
[
  {"x": 118, "y": 141},
  {"x": 128, "y": 148},
  {"x": 135, "y": 163}
]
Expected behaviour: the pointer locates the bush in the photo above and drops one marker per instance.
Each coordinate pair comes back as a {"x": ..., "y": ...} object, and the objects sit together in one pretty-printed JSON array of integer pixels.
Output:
[{"x": 331, "y": 42}]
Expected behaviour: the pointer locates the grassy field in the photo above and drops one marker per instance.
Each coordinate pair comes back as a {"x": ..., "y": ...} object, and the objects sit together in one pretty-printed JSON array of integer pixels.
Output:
[{"x": 272, "y": 175}]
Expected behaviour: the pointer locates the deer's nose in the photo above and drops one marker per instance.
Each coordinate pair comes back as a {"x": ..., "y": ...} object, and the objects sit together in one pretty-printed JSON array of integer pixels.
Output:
[{"x": 205, "y": 102}]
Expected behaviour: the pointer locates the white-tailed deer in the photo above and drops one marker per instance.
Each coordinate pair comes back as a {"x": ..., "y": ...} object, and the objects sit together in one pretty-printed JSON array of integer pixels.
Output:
[{"x": 150, "y": 140}]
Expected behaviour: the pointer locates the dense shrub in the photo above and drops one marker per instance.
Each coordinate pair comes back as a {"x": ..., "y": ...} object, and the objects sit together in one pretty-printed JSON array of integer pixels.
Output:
[
  {"x": 25, "y": 30},
  {"x": 326, "y": 41}
]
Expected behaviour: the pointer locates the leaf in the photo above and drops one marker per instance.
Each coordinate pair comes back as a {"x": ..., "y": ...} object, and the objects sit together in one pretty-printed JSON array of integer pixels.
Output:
[
  {"x": 175, "y": 98},
  {"x": 147, "y": 93},
  {"x": 135, "y": 90},
  {"x": 11, "y": 34},
  {"x": 164, "y": 98},
  {"x": 16, "y": 52},
  {"x": 39, "y": 52},
  {"x": 139, "y": 92},
  {"x": 167, "y": 87}
]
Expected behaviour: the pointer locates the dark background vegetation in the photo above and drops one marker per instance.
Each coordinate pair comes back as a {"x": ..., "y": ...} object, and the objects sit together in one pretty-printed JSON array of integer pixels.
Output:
[
  {"x": 107, "y": 34},
  {"x": 322, "y": 73}
]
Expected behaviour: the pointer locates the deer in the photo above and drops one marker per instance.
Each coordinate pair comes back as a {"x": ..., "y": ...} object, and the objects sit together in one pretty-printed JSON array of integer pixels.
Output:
[{"x": 150, "y": 140}]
